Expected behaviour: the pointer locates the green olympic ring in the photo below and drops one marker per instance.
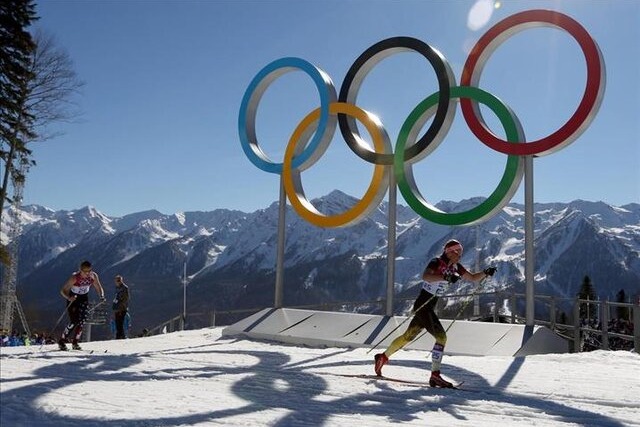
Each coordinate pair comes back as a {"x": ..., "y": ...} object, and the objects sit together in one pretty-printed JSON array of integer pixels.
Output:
[{"x": 508, "y": 185}]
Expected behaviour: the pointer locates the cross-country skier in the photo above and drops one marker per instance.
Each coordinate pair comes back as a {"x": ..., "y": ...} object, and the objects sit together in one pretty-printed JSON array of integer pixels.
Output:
[
  {"x": 76, "y": 292},
  {"x": 440, "y": 272}
]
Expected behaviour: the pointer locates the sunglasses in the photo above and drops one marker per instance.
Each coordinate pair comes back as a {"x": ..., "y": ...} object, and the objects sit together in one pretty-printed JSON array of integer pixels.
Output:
[{"x": 457, "y": 249}]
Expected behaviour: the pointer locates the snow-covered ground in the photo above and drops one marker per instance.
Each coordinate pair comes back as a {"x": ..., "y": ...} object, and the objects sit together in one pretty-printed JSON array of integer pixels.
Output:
[{"x": 201, "y": 378}]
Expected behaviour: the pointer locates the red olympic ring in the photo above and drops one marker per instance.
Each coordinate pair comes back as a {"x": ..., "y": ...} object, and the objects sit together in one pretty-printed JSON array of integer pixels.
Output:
[{"x": 587, "y": 108}]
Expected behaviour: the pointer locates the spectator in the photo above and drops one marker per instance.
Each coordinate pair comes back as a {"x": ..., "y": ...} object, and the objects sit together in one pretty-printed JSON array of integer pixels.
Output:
[
  {"x": 14, "y": 339},
  {"x": 120, "y": 307}
]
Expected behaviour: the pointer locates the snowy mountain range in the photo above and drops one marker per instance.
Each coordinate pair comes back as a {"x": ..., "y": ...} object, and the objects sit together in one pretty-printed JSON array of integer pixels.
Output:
[{"x": 230, "y": 255}]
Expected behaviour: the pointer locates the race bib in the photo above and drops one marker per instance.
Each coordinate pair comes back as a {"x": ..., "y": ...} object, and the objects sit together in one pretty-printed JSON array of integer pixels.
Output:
[{"x": 436, "y": 289}]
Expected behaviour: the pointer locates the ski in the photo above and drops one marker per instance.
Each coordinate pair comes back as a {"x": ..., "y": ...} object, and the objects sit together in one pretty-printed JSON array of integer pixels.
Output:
[
  {"x": 76, "y": 350},
  {"x": 68, "y": 350},
  {"x": 397, "y": 380},
  {"x": 86, "y": 351}
]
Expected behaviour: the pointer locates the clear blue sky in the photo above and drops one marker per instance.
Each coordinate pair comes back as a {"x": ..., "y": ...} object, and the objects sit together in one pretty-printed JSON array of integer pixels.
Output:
[{"x": 164, "y": 82}]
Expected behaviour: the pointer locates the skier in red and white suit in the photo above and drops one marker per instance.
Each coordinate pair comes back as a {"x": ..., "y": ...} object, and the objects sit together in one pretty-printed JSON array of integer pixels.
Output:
[{"x": 76, "y": 292}]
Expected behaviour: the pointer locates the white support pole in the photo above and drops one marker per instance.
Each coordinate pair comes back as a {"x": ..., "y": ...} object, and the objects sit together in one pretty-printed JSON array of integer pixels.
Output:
[
  {"x": 282, "y": 205},
  {"x": 529, "y": 261},
  {"x": 476, "y": 297},
  {"x": 391, "y": 242}
]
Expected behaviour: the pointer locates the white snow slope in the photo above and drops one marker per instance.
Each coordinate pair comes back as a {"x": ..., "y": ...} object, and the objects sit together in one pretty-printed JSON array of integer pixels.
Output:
[{"x": 199, "y": 378}]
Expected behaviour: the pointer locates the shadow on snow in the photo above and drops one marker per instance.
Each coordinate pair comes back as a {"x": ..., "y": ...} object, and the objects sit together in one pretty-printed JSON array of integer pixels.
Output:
[{"x": 271, "y": 382}]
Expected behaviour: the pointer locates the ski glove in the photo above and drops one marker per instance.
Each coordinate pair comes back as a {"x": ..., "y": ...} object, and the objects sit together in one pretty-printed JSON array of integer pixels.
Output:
[
  {"x": 451, "y": 277},
  {"x": 489, "y": 271}
]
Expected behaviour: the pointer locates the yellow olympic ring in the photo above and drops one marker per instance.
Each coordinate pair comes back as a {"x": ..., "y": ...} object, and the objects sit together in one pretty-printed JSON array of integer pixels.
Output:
[{"x": 293, "y": 183}]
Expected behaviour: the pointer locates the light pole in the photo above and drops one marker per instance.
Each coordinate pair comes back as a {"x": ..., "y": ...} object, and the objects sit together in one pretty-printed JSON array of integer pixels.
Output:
[{"x": 184, "y": 296}]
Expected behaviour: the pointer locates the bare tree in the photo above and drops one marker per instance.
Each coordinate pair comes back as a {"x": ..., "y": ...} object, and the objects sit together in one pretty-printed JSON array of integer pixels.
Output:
[
  {"x": 49, "y": 99},
  {"x": 53, "y": 90}
]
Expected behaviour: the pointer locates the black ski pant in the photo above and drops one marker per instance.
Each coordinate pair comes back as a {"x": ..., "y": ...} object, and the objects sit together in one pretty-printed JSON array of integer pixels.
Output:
[
  {"x": 119, "y": 318},
  {"x": 77, "y": 310}
]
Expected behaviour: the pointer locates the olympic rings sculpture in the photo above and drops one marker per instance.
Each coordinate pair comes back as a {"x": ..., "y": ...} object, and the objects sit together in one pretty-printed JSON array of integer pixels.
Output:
[{"x": 314, "y": 133}]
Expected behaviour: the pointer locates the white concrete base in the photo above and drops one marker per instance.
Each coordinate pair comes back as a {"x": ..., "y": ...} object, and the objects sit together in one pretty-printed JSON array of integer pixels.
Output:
[{"x": 333, "y": 329}]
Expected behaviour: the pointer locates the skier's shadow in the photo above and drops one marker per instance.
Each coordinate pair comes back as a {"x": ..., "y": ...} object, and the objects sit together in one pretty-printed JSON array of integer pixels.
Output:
[
  {"x": 271, "y": 382},
  {"x": 449, "y": 400}
]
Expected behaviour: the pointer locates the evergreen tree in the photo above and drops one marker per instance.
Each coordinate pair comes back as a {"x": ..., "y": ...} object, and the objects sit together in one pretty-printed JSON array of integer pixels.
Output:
[
  {"x": 622, "y": 312},
  {"x": 16, "y": 50},
  {"x": 16, "y": 47},
  {"x": 587, "y": 292}
]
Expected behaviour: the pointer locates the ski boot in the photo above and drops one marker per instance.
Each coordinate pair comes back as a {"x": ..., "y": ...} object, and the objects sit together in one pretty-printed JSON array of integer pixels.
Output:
[
  {"x": 75, "y": 345},
  {"x": 437, "y": 381},
  {"x": 62, "y": 344},
  {"x": 381, "y": 359}
]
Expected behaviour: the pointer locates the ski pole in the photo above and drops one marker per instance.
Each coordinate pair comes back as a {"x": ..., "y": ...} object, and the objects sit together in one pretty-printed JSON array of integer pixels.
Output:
[
  {"x": 57, "y": 323},
  {"x": 92, "y": 309},
  {"x": 473, "y": 294},
  {"x": 402, "y": 323},
  {"x": 61, "y": 316}
]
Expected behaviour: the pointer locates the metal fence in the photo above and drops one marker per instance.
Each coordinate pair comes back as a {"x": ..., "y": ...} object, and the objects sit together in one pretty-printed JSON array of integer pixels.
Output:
[{"x": 97, "y": 315}]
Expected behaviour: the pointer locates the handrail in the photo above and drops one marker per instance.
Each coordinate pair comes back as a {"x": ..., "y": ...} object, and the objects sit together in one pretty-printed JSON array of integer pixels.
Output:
[{"x": 169, "y": 324}]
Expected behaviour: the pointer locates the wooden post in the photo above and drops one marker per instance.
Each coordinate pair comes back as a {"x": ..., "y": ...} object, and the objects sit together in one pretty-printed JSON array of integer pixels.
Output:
[{"x": 604, "y": 318}]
